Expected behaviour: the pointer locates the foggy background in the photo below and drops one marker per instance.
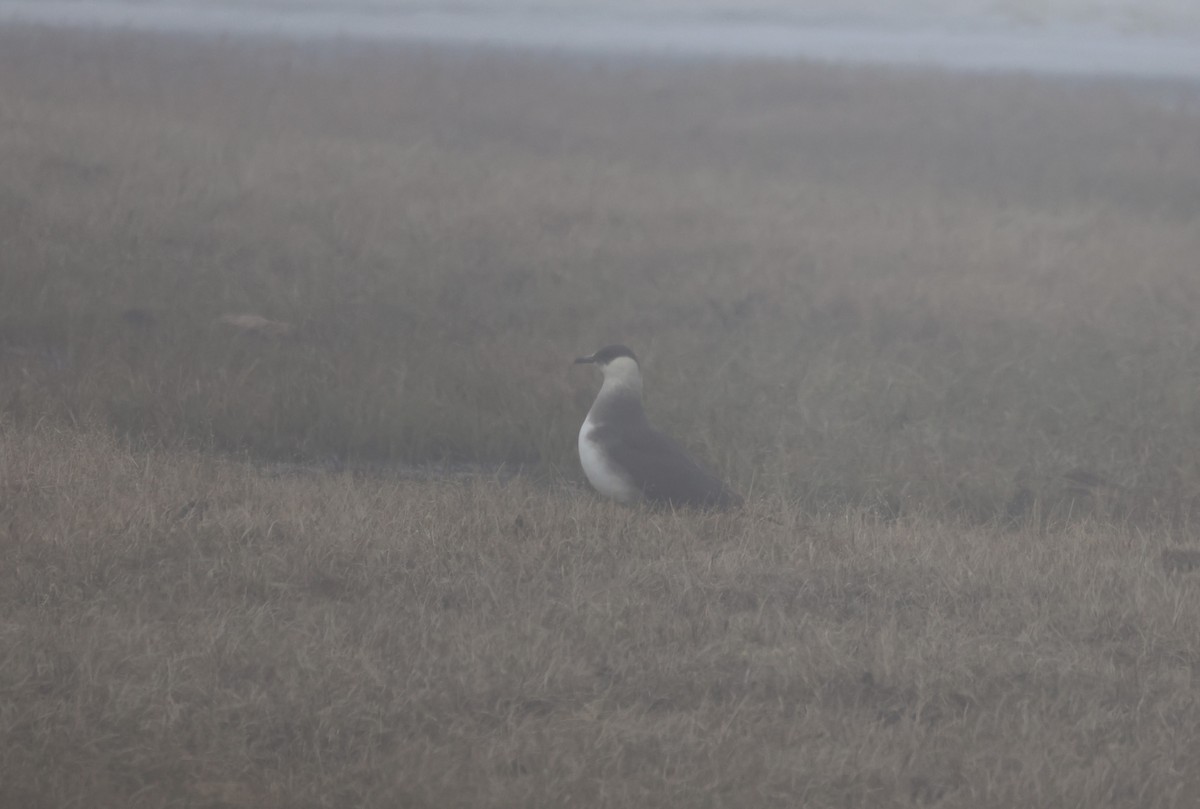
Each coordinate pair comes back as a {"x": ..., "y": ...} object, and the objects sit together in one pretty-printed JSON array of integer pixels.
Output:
[{"x": 291, "y": 508}]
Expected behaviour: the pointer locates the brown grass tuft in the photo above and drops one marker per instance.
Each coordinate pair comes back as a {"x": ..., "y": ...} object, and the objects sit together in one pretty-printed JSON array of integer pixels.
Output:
[{"x": 256, "y": 325}]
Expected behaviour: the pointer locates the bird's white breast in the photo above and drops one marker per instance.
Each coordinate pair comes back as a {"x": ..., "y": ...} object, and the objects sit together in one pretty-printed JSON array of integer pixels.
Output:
[{"x": 604, "y": 476}]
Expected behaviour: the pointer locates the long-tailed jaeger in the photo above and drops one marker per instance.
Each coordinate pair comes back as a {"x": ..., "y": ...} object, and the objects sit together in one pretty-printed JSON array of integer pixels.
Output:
[{"x": 625, "y": 458}]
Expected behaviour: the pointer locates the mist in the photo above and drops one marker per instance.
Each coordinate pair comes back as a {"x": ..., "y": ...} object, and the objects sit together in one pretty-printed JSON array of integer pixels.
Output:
[{"x": 307, "y": 499}]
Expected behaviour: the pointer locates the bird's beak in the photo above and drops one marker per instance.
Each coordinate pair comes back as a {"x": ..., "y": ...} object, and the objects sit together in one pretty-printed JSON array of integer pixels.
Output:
[{"x": 582, "y": 360}]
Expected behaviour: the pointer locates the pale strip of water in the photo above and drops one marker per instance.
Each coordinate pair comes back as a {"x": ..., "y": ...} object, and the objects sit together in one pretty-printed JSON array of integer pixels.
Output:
[{"x": 988, "y": 45}]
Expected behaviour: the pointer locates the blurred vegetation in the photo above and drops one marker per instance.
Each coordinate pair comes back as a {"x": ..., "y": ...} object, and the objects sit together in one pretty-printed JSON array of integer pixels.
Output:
[{"x": 903, "y": 291}]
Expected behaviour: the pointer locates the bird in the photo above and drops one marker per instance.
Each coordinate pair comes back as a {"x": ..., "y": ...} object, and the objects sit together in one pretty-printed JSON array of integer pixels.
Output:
[{"x": 625, "y": 458}]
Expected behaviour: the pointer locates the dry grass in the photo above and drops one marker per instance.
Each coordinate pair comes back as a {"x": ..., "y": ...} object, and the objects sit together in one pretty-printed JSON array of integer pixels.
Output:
[
  {"x": 181, "y": 630},
  {"x": 942, "y": 329}
]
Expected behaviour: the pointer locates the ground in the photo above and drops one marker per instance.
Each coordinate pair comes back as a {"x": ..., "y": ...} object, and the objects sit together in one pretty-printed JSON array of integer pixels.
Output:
[{"x": 939, "y": 330}]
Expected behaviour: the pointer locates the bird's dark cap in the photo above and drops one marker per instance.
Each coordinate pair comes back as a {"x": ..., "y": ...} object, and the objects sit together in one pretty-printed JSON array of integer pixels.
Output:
[{"x": 607, "y": 354}]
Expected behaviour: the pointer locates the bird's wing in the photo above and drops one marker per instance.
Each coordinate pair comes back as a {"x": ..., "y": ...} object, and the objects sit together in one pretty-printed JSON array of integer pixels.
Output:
[{"x": 662, "y": 470}]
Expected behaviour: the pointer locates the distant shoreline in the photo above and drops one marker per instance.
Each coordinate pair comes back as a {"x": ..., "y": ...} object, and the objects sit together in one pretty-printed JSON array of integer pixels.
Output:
[{"x": 1047, "y": 50}]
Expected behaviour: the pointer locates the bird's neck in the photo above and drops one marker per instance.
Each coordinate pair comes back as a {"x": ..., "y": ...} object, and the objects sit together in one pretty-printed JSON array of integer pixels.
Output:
[
  {"x": 622, "y": 376},
  {"x": 620, "y": 393},
  {"x": 616, "y": 404}
]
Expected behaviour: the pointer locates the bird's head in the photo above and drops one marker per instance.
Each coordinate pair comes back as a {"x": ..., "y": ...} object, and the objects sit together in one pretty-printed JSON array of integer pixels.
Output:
[{"x": 619, "y": 364}]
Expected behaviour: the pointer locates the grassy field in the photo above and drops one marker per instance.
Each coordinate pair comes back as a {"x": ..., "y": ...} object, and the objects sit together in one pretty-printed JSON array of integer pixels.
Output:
[
  {"x": 185, "y": 631},
  {"x": 940, "y": 329}
]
